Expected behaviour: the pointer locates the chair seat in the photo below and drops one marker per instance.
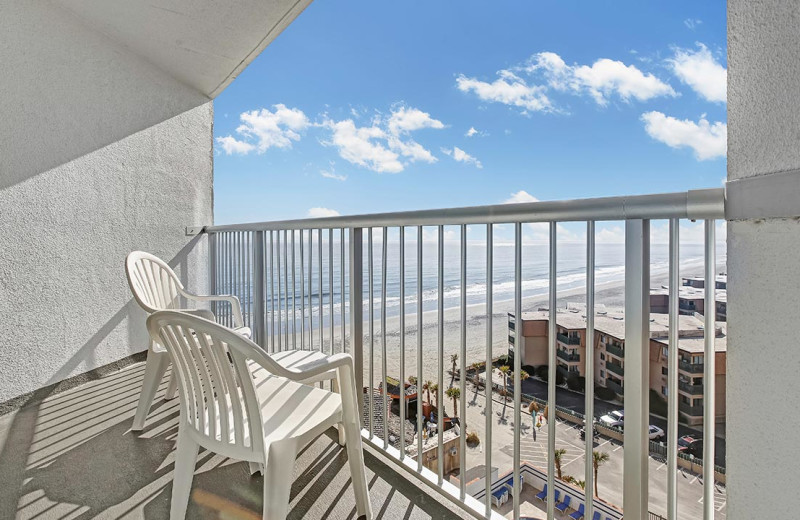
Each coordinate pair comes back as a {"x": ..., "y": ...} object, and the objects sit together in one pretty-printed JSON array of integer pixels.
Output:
[
  {"x": 281, "y": 400},
  {"x": 303, "y": 360}
]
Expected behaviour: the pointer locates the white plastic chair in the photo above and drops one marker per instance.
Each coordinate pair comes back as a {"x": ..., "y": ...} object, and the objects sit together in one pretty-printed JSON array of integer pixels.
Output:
[
  {"x": 267, "y": 418},
  {"x": 156, "y": 287}
]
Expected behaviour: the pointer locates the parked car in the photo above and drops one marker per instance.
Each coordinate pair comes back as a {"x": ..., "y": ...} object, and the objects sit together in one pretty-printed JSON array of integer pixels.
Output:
[
  {"x": 615, "y": 418},
  {"x": 655, "y": 433},
  {"x": 691, "y": 446}
]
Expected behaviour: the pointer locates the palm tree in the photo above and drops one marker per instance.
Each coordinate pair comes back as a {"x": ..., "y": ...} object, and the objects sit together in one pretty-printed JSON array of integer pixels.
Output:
[
  {"x": 454, "y": 361},
  {"x": 454, "y": 393},
  {"x": 412, "y": 380},
  {"x": 598, "y": 459},
  {"x": 557, "y": 455},
  {"x": 523, "y": 375},
  {"x": 433, "y": 387},
  {"x": 427, "y": 387},
  {"x": 505, "y": 369}
]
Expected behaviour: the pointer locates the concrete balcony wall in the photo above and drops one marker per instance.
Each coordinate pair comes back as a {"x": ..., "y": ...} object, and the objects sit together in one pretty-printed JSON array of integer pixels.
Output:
[
  {"x": 100, "y": 153},
  {"x": 763, "y": 270}
]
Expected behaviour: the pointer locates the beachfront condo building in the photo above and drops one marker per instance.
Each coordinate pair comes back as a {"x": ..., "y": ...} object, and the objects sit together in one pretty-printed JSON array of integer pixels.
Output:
[
  {"x": 609, "y": 359},
  {"x": 691, "y": 298}
]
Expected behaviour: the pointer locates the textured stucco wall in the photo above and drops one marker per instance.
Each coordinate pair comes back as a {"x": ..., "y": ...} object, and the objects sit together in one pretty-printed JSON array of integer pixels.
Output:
[
  {"x": 100, "y": 153},
  {"x": 763, "y": 266}
]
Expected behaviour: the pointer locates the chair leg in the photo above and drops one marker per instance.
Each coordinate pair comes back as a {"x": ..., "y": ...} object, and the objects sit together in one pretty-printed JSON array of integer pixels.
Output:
[
  {"x": 185, "y": 461},
  {"x": 256, "y": 467},
  {"x": 340, "y": 426},
  {"x": 277, "y": 479},
  {"x": 355, "y": 455},
  {"x": 172, "y": 387},
  {"x": 156, "y": 365}
]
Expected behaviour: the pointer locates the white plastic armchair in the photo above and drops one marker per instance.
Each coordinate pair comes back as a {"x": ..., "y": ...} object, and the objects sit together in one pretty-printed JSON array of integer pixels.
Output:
[
  {"x": 254, "y": 409},
  {"x": 155, "y": 287}
]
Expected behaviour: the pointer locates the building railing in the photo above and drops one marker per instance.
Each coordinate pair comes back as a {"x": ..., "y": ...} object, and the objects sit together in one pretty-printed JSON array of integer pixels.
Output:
[
  {"x": 315, "y": 284},
  {"x": 691, "y": 411},
  {"x": 615, "y": 350},
  {"x": 568, "y": 340},
  {"x": 566, "y": 356},
  {"x": 694, "y": 368},
  {"x": 616, "y": 368},
  {"x": 611, "y": 385},
  {"x": 690, "y": 388}
]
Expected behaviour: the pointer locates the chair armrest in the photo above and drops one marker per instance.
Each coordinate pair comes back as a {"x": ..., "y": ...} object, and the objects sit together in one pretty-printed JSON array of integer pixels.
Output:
[
  {"x": 308, "y": 371},
  {"x": 238, "y": 320},
  {"x": 202, "y": 313}
]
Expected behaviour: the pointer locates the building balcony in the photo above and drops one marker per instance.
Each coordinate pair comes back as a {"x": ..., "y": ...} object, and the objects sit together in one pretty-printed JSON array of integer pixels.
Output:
[
  {"x": 616, "y": 368},
  {"x": 693, "y": 368},
  {"x": 568, "y": 340},
  {"x": 614, "y": 350},
  {"x": 690, "y": 388},
  {"x": 691, "y": 411},
  {"x": 615, "y": 387},
  {"x": 566, "y": 356}
]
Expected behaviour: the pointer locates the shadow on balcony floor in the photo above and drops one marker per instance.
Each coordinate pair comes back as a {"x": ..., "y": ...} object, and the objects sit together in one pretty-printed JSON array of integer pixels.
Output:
[{"x": 72, "y": 456}]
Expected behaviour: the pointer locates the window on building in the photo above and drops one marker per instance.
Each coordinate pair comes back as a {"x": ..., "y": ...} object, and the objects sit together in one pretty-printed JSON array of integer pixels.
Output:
[
  {"x": 664, "y": 390},
  {"x": 602, "y": 356},
  {"x": 663, "y": 371},
  {"x": 602, "y": 374}
]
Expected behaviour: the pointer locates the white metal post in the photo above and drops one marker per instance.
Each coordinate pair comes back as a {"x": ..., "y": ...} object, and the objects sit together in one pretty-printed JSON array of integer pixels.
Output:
[
  {"x": 637, "y": 368},
  {"x": 709, "y": 372},
  {"x": 259, "y": 326},
  {"x": 357, "y": 313}
]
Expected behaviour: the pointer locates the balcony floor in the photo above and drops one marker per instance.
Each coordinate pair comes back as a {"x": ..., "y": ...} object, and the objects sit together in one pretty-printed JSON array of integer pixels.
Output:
[{"x": 72, "y": 456}]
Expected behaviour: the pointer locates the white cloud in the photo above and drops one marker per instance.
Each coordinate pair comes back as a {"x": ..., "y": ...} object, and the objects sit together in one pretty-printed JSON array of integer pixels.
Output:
[
  {"x": 264, "y": 129},
  {"x": 322, "y": 213},
  {"x": 233, "y": 146},
  {"x": 472, "y": 132},
  {"x": 461, "y": 156},
  {"x": 708, "y": 140},
  {"x": 701, "y": 72},
  {"x": 508, "y": 89},
  {"x": 520, "y": 196},
  {"x": 331, "y": 174},
  {"x": 385, "y": 145},
  {"x": 691, "y": 23},
  {"x": 602, "y": 80},
  {"x": 404, "y": 120}
]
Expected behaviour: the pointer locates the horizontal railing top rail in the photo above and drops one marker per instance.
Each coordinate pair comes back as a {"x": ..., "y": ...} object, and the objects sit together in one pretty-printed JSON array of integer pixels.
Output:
[{"x": 693, "y": 204}]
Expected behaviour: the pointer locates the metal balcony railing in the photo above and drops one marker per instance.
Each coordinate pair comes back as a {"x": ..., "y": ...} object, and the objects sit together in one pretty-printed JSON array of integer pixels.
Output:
[
  {"x": 694, "y": 368},
  {"x": 690, "y": 388},
  {"x": 692, "y": 411},
  {"x": 615, "y": 350},
  {"x": 311, "y": 284},
  {"x": 615, "y": 367},
  {"x": 568, "y": 340},
  {"x": 566, "y": 356}
]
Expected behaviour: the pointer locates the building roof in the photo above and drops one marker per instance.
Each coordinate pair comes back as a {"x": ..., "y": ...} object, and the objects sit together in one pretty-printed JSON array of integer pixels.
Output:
[
  {"x": 698, "y": 345},
  {"x": 686, "y": 292},
  {"x": 612, "y": 322}
]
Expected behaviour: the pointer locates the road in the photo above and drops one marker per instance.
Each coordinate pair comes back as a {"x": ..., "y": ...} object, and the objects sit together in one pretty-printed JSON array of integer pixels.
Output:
[{"x": 576, "y": 402}]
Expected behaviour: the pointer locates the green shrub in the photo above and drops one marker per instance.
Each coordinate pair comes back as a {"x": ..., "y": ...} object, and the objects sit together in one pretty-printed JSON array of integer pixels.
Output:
[
  {"x": 576, "y": 382},
  {"x": 658, "y": 405},
  {"x": 604, "y": 393}
]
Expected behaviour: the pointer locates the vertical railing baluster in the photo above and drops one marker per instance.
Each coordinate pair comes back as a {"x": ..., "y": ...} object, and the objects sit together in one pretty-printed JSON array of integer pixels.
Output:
[
  {"x": 403, "y": 401},
  {"x": 342, "y": 289},
  {"x": 271, "y": 292},
  {"x": 517, "y": 363},
  {"x": 279, "y": 330},
  {"x": 709, "y": 371},
  {"x": 286, "y": 286},
  {"x": 440, "y": 364},
  {"x": 672, "y": 370},
  {"x": 551, "y": 371},
  {"x": 637, "y": 368},
  {"x": 258, "y": 310},
  {"x": 588, "y": 423},
  {"x": 330, "y": 285},
  {"x": 310, "y": 289},
  {"x": 356, "y": 254},
  {"x": 420, "y": 380},
  {"x": 319, "y": 291},
  {"x": 385, "y": 394},
  {"x": 370, "y": 281},
  {"x": 462, "y": 379},
  {"x": 229, "y": 277},
  {"x": 294, "y": 297},
  {"x": 488, "y": 371},
  {"x": 303, "y": 296}
]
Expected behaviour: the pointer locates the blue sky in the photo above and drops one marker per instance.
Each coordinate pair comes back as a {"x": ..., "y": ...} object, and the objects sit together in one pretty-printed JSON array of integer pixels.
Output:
[{"x": 360, "y": 107}]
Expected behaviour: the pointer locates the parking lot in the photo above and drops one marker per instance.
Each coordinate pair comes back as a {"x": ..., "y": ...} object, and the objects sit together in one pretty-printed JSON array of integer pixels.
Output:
[{"x": 690, "y": 484}]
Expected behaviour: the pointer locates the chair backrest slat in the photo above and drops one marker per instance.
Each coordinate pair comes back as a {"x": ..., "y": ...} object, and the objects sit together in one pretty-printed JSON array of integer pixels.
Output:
[
  {"x": 218, "y": 397},
  {"x": 154, "y": 285}
]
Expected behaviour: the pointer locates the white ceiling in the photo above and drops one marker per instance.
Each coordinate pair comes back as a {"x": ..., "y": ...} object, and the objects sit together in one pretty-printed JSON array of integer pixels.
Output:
[{"x": 204, "y": 44}]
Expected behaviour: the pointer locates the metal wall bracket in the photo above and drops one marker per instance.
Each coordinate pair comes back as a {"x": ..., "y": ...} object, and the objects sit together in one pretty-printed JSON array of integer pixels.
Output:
[
  {"x": 776, "y": 195},
  {"x": 193, "y": 230}
]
